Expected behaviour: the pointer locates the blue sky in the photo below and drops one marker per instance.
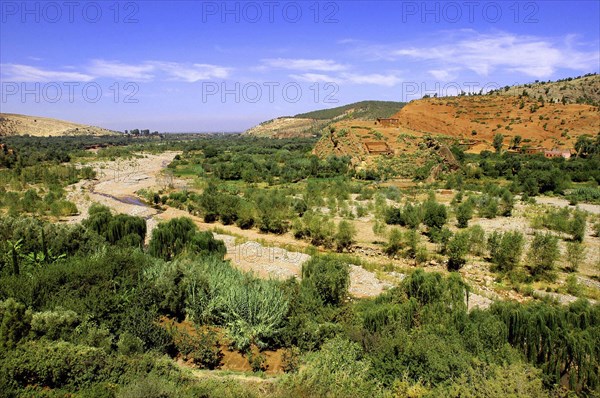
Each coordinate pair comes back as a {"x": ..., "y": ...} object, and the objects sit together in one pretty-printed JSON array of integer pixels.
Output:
[{"x": 225, "y": 66}]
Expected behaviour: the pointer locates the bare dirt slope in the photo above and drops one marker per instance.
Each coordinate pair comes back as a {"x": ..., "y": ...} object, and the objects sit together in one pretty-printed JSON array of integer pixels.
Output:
[
  {"x": 550, "y": 115},
  {"x": 14, "y": 124},
  {"x": 479, "y": 118}
]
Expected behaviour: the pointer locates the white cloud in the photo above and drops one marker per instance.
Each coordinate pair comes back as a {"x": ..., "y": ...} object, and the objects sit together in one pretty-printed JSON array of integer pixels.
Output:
[
  {"x": 487, "y": 53},
  {"x": 192, "y": 73},
  {"x": 116, "y": 69},
  {"x": 301, "y": 64},
  {"x": 377, "y": 79},
  {"x": 444, "y": 74},
  {"x": 315, "y": 78},
  {"x": 27, "y": 73},
  {"x": 98, "y": 68}
]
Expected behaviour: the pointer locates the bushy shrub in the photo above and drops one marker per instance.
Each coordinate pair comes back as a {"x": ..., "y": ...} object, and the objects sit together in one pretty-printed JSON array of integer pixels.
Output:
[
  {"x": 458, "y": 247},
  {"x": 394, "y": 244},
  {"x": 329, "y": 276},
  {"x": 54, "y": 325},
  {"x": 505, "y": 249},
  {"x": 435, "y": 215},
  {"x": 345, "y": 236},
  {"x": 412, "y": 216},
  {"x": 180, "y": 234},
  {"x": 542, "y": 255},
  {"x": 577, "y": 225},
  {"x": 337, "y": 370},
  {"x": 464, "y": 212},
  {"x": 477, "y": 240},
  {"x": 119, "y": 229},
  {"x": 575, "y": 255},
  {"x": 15, "y": 323}
]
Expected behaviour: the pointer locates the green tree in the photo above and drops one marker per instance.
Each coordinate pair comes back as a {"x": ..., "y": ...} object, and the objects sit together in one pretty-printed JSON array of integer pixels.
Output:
[
  {"x": 516, "y": 141},
  {"x": 507, "y": 202},
  {"x": 575, "y": 255},
  {"x": 457, "y": 249},
  {"x": 435, "y": 215},
  {"x": 464, "y": 212},
  {"x": 394, "y": 244},
  {"x": 173, "y": 237},
  {"x": 577, "y": 225},
  {"x": 542, "y": 255},
  {"x": 498, "y": 142},
  {"x": 329, "y": 277},
  {"x": 412, "y": 216},
  {"x": 345, "y": 236},
  {"x": 209, "y": 202},
  {"x": 506, "y": 249}
]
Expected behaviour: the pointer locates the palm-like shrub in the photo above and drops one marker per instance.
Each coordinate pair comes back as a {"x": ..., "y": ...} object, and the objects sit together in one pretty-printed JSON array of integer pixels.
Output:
[{"x": 216, "y": 293}]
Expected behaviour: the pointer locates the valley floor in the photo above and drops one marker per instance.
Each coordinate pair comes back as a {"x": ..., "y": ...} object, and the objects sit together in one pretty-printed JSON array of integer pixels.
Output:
[{"x": 282, "y": 256}]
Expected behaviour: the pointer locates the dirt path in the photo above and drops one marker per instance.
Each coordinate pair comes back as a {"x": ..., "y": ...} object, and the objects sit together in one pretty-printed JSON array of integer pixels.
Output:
[{"x": 558, "y": 202}]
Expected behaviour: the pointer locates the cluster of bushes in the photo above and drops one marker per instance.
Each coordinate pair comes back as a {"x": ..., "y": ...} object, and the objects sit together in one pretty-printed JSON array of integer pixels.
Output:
[
  {"x": 320, "y": 230},
  {"x": 564, "y": 220},
  {"x": 533, "y": 174},
  {"x": 89, "y": 322},
  {"x": 52, "y": 203},
  {"x": 255, "y": 160}
]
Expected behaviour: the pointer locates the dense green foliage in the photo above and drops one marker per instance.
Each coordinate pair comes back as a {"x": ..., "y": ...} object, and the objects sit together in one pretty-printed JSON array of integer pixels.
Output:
[
  {"x": 367, "y": 110},
  {"x": 172, "y": 238},
  {"x": 85, "y": 308}
]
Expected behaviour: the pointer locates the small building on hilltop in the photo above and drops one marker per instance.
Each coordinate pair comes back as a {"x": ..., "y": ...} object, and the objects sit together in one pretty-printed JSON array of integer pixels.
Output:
[
  {"x": 557, "y": 153},
  {"x": 388, "y": 122},
  {"x": 532, "y": 150}
]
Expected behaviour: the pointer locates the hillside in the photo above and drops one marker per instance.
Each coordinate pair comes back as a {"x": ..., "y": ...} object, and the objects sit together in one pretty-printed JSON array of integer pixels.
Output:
[
  {"x": 579, "y": 90},
  {"x": 311, "y": 123},
  {"x": 479, "y": 118},
  {"x": 287, "y": 127},
  {"x": 539, "y": 116},
  {"x": 364, "y": 110},
  {"x": 13, "y": 124}
]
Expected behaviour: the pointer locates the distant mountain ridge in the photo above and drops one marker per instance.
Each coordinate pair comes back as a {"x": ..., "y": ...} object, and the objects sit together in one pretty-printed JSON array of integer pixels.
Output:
[{"x": 15, "y": 124}]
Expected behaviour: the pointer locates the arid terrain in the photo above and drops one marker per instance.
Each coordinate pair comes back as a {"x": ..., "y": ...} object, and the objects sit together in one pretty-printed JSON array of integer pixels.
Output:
[{"x": 13, "y": 124}]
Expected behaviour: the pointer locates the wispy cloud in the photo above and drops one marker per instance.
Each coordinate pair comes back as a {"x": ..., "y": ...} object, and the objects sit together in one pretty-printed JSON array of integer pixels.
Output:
[
  {"x": 377, "y": 79},
  {"x": 192, "y": 73},
  {"x": 444, "y": 74},
  {"x": 302, "y": 64},
  {"x": 119, "y": 70},
  {"x": 315, "y": 78},
  {"x": 27, "y": 73},
  {"x": 488, "y": 53},
  {"x": 99, "y": 68}
]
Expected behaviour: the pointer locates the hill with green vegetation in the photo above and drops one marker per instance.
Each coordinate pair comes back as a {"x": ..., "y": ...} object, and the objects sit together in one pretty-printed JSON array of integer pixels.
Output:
[
  {"x": 572, "y": 90},
  {"x": 364, "y": 110},
  {"x": 311, "y": 124}
]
